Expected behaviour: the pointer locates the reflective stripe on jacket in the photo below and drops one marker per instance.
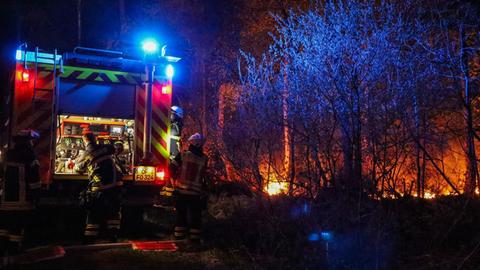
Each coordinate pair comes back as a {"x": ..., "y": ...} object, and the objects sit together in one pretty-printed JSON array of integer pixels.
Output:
[
  {"x": 175, "y": 136},
  {"x": 99, "y": 164}
]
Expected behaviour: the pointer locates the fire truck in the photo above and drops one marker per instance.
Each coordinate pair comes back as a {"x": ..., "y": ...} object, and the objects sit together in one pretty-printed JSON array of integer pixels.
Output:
[{"x": 122, "y": 100}]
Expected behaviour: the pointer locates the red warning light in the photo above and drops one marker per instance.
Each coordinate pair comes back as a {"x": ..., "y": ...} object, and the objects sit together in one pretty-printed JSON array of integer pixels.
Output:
[
  {"x": 166, "y": 89},
  {"x": 160, "y": 174},
  {"x": 25, "y": 76}
]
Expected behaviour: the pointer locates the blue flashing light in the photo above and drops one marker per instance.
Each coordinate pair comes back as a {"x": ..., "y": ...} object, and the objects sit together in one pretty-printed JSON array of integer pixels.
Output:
[
  {"x": 313, "y": 237},
  {"x": 305, "y": 208},
  {"x": 18, "y": 55},
  {"x": 169, "y": 71},
  {"x": 326, "y": 236},
  {"x": 150, "y": 46}
]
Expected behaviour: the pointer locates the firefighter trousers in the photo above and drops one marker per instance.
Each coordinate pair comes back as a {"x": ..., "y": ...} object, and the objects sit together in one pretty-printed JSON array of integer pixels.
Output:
[
  {"x": 12, "y": 230},
  {"x": 189, "y": 217},
  {"x": 103, "y": 215}
]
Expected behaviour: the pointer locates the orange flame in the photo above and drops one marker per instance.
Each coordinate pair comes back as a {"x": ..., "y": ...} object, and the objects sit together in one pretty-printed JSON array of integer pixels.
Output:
[{"x": 276, "y": 188}]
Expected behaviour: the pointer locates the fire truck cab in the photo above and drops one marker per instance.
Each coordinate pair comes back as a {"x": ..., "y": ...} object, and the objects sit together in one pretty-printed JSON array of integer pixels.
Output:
[{"x": 99, "y": 91}]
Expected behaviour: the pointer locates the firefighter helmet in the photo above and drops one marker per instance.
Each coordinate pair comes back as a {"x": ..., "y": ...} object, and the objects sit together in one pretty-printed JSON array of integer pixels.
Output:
[
  {"x": 196, "y": 139},
  {"x": 177, "y": 111},
  {"x": 118, "y": 147}
]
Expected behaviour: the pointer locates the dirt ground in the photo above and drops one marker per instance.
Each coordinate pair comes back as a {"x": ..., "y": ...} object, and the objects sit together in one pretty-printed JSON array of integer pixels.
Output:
[{"x": 129, "y": 259}]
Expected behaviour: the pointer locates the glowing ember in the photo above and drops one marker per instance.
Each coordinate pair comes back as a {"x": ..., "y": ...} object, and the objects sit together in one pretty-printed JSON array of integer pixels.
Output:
[{"x": 275, "y": 188}]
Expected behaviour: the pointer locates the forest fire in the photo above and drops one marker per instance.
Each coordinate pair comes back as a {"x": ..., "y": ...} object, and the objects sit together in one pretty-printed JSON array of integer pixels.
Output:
[
  {"x": 392, "y": 140},
  {"x": 276, "y": 188},
  {"x": 273, "y": 183},
  {"x": 429, "y": 196},
  {"x": 434, "y": 183}
]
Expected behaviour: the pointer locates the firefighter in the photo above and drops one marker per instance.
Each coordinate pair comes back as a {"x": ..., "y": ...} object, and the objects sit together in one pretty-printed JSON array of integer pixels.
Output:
[
  {"x": 102, "y": 196},
  {"x": 176, "y": 119},
  {"x": 119, "y": 158},
  {"x": 62, "y": 156},
  {"x": 190, "y": 190},
  {"x": 165, "y": 198},
  {"x": 20, "y": 190}
]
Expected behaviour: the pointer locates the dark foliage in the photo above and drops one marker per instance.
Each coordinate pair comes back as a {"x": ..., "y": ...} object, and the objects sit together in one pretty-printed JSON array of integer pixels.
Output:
[{"x": 285, "y": 233}]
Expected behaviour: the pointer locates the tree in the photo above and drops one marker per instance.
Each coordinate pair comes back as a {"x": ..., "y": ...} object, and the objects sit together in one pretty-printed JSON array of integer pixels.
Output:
[
  {"x": 343, "y": 62},
  {"x": 455, "y": 47}
]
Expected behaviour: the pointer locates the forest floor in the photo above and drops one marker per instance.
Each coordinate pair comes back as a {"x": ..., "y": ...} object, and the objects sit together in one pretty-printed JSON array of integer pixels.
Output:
[
  {"x": 282, "y": 233},
  {"x": 116, "y": 259}
]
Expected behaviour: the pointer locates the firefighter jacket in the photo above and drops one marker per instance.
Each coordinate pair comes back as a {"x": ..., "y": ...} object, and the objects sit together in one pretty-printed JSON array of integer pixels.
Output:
[
  {"x": 98, "y": 163},
  {"x": 191, "y": 175},
  {"x": 21, "y": 183},
  {"x": 175, "y": 136},
  {"x": 120, "y": 163}
]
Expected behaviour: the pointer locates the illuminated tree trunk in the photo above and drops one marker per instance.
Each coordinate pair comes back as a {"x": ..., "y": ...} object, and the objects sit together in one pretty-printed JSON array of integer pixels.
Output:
[
  {"x": 357, "y": 145},
  {"x": 355, "y": 176},
  {"x": 419, "y": 155},
  {"x": 288, "y": 143},
  {"x": 373, "y": 173},
  {"x": 287, "y": 135},
  {"x": 286, "y": 140},
  {"x": 221, "y": 109},
  {"x": 286, "y": 131},
  {"x": 224, "y": 91},
  {"x": 203, "y": 92},
  {"x": 292, "y": 163},
  {"x": 472, "y": 170},
  {"x": 352, "y": 156},
  {"x": 347, "y": 152}
]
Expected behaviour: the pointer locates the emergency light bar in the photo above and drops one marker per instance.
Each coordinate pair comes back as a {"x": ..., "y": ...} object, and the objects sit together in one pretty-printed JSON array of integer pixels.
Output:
[
  {"x": 44, "y": 58},
  {"x": 121, "y": 64},
  {"x": 89, "y": 57},
  {"x": 89, "y": 60}
]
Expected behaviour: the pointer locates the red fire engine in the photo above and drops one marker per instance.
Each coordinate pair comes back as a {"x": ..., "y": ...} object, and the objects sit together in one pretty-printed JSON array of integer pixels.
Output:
[{"x": 121, "y": 100}]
